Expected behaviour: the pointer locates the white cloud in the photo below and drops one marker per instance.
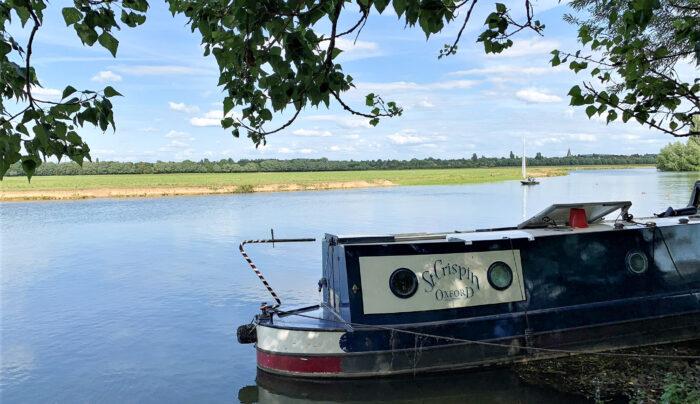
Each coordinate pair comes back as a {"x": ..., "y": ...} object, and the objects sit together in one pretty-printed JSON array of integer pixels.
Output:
[
  {"x": 627, "y": 137},
  {"x": 44, "y": 93},
  {"x": 345, "y": 149},
  {"x": 401, "y": 139},
  {"x": 312, "y": 132},
  {"x": 354, "y": 50},
  {"x": 106, "y": 76},
  {"x": 543, "y": 141},
  {"x": 405, "y": 86},
  {"x": 535, "y": 95},
  {"x": 582, "y": 137},
  {"x": 425, "y": 104},
  {"x": 181, "y": 107},
  {"x": 122, "y": 155},
  {"x": 174, "y": 145},
  {"x": 147, "y": 129},
  {"x": 185, "y": 154},
  {"x": 306, "y": 151},
  {"x": 345, "y": 121},
  {"x": 212, "y": 118},
  {"x": 162, "y": 70},
  {"x": 178, "y": 135},
  {"x": 504, "y": 70},
  {"x": 526, "y": 47}
]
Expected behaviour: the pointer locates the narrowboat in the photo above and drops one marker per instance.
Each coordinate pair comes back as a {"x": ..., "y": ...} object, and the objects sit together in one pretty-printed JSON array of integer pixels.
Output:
[{"x": 563, "y": 282}]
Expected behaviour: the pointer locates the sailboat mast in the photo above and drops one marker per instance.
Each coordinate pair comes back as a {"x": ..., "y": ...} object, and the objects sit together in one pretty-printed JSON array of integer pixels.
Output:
[{"x": 523, "y": 156}]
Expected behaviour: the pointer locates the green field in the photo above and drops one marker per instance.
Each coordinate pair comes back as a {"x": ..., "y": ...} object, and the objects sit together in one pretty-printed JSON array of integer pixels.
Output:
[{"x": 398, "y": 177}]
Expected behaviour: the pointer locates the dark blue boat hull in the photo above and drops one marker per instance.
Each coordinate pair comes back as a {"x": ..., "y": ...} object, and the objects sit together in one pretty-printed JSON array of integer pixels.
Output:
[{"x": 580, "y": 297}]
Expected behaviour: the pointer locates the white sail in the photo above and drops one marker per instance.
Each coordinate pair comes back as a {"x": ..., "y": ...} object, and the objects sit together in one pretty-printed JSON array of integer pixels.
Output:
[{"x": 523, "y": 157}]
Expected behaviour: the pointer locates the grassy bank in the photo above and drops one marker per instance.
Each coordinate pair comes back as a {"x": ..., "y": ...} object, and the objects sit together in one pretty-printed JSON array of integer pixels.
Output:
[{"x": 76, "y": 187}]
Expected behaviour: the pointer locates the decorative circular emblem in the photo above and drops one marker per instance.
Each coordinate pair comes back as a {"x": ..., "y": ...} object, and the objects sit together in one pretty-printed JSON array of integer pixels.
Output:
[
  {"x": 403, "y": 283},
  {"x": 637, "y": 262},
  {"x": 500, "y": 275}
]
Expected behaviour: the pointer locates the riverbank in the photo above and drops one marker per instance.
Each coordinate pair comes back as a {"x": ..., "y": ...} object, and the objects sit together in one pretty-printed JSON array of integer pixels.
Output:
[
  {"x": 159, "y": 185},
  {"x": 634, "y": 378}
]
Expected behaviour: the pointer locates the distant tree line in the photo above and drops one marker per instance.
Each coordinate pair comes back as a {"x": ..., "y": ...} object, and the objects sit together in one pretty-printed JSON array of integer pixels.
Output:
[{"x": 323, "y": 164}]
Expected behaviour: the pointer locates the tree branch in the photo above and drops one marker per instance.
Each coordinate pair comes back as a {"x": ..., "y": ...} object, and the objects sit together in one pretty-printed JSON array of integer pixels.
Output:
[
  {"x": 29, "y": 52},
  {"x": 461, "y": 30}
]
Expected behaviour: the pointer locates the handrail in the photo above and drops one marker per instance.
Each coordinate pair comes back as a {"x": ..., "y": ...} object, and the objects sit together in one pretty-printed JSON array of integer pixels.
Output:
[{"x": 257, "y": 271}]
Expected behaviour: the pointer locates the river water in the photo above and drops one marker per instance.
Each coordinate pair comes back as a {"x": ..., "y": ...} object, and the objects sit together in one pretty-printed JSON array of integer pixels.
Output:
[{"x": 138, "y": 300}]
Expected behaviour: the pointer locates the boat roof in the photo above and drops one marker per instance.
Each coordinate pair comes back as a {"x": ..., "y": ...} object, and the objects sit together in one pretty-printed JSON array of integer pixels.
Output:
[
  {"x": 537, "y": 226},
  {"x": 559, "y": 213}
]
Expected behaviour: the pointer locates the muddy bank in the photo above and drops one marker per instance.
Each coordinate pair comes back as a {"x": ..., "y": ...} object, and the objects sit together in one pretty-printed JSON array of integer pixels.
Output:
[
  {"x": 629, "y": 379},
  {"x": 147, "y": 192}
]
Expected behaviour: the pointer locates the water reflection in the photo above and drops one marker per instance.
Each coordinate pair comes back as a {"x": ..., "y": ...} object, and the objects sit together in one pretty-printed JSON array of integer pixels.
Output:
[
  {"x": 492, "y": 386},
  {"x": 137, "y": 300}
]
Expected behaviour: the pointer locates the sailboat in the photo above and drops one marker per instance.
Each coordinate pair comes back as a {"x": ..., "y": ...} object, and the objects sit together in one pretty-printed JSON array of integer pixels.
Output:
[{"x": 526, "y": 180}]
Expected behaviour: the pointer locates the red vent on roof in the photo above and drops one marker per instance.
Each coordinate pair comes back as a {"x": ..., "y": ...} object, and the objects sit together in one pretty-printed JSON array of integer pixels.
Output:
[{"x": 577, "y": 218}]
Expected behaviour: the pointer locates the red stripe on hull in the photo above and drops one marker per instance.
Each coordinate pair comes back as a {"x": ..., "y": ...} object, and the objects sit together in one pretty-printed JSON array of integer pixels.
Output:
[{"x": 299, "y": 364}]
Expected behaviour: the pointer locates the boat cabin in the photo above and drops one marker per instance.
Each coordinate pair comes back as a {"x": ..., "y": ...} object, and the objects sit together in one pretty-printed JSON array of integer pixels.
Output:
[{"x": 420, "y": 277}]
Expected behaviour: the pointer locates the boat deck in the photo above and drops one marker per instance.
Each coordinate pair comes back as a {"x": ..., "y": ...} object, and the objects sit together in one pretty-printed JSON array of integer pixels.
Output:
[{"x": 309, "y": 318}]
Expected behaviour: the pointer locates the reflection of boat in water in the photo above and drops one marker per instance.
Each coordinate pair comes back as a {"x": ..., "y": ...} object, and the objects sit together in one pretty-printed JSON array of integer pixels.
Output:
[
  {"x": 495, "y": 386},
  {"x": 560, "y": 283}
]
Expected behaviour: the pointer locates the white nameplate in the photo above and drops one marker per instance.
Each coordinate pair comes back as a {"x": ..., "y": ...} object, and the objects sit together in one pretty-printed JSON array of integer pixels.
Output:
[{"x": 445, "y": 281}]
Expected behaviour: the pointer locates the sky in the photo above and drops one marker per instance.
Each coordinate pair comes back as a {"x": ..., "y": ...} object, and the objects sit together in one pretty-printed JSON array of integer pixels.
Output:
[{"x": 453, "y": 107}]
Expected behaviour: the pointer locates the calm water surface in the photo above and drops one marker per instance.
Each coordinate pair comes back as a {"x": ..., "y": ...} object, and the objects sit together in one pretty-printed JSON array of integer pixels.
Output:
[{"x": 138, "y": 300}]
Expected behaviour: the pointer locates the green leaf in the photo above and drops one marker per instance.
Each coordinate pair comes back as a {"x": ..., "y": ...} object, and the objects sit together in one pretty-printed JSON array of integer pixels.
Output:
[
  {"x": 336, "y": 52},
  {"x": 23, "y": 14},
  {"x": 71, "y": 15},
  {"x": 369, "y": 100},
  {"x": 374, "y": 121},
  {"x": 74, "y": 138},
  {"x": 87, "y": 35},
  {"x": 228, "y": 105},
  {"x": 5, "y": 48},
  {"x": 575, "y": 91},
  {"x": 68, "y": 91},
  {"x": 266, "y": 114},
  {"x": 380, "y": 5},
  {"x": 109, "y": 42},
  {"x": 590, "y": 110},
  {"x": 109, "y": 91},
  {"x": 501, "y": 8},
  {"x": 138, "y": 5},
  {"x": 399, "y": 7},
  {"x": 29, "y": 166}
]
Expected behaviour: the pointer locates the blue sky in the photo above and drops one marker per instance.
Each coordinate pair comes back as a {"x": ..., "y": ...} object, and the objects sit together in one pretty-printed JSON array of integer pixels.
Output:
[{"x": 456, "y": 106}]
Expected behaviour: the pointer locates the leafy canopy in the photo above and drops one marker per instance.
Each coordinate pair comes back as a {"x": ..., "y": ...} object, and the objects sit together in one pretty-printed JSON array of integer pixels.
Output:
[
  {"x": 634, "y": 49},
  {"x": 272, "y": 55},
  {"x": 279, "y": 54}
]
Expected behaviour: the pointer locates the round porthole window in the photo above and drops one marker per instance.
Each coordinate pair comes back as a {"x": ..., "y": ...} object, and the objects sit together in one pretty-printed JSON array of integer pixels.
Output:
[
  {"x": 637, "y": 262},
  {"x": 403, "y": 283},
  {"x": 500, "y": 275}
]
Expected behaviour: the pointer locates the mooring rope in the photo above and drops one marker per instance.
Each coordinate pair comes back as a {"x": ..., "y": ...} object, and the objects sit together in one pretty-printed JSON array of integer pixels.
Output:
[
  {"x": 257, "y": 271},
  {"x": 496, "y": 344}
]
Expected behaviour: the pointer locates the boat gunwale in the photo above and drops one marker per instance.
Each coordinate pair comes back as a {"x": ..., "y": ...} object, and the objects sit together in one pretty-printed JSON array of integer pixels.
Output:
[{"x": 491, "y": 317}]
